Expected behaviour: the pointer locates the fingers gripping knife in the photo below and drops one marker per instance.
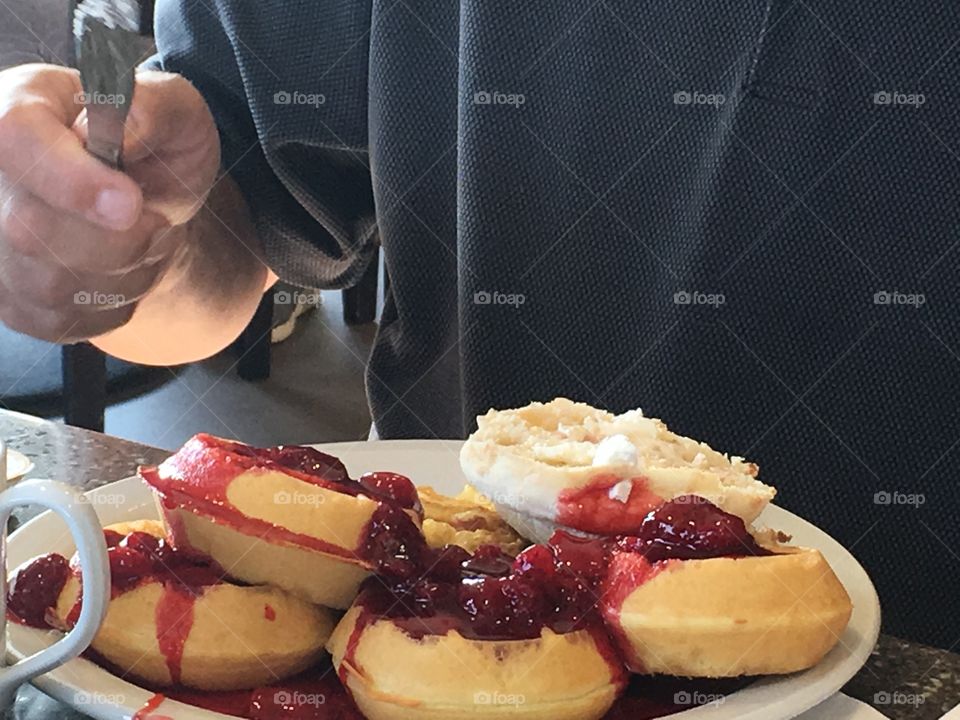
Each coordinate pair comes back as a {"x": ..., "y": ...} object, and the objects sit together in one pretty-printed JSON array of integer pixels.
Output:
[{"x": 107, "y": 49}]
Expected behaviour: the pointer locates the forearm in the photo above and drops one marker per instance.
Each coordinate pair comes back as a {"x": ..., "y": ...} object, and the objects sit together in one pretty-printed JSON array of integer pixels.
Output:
[{"x": 209, "y": 294}]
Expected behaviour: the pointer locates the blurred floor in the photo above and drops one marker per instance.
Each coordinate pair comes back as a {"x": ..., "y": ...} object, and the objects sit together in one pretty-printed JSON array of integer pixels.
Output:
[{"x": 315, "y": 392}]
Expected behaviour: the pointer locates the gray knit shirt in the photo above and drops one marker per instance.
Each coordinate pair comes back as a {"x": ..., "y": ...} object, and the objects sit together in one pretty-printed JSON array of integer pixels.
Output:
[{"x": 739, "y": 215}]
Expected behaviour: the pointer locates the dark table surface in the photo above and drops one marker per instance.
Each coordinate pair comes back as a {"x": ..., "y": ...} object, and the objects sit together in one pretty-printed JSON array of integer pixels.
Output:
[{"x": 903, "y": 680}]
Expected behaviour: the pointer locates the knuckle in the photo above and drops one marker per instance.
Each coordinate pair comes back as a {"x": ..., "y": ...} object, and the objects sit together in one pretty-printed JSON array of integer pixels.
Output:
[
  {"x": 52, "y": 292},
  {"x": 22, "y": 224},
  {"x": 132, "y": 249},
  {"x": 42, "y": 325},
  {"x": 76, "y": 191},
  {"x": 15, "y": 117},
  {"x": 59, "y": 326}
]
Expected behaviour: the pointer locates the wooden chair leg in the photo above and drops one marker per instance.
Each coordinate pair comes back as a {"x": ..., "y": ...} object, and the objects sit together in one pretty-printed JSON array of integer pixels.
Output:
[
  {"x": 360, "y": 301},
  {"x": 254, "y": 343},
  {"x": 84, "y": 386}
]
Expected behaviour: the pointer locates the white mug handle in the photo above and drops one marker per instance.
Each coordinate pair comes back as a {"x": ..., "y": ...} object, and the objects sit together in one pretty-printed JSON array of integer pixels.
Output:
[{"x": 84, "y": 526}]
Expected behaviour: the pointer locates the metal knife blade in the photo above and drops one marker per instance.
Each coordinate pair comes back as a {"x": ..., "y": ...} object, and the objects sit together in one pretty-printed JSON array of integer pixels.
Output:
[{"x": 107, "y": 49}]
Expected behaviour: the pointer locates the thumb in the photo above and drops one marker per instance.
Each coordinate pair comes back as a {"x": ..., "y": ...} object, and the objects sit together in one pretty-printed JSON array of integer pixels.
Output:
[
  {"x": 168, "y": 116},
  {"x": 171, "y": 145}
]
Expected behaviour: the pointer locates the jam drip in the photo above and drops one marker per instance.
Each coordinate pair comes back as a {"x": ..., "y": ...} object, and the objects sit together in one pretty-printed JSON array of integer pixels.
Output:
[
  {"x": 174, "y": 620},
  {"x": 147, "y": 711},
  {"x": 197, "y": 478}
]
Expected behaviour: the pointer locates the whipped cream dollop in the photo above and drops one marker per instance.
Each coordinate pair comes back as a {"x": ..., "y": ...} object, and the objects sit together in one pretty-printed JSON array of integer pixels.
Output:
[{"x": 616, "y": 451}]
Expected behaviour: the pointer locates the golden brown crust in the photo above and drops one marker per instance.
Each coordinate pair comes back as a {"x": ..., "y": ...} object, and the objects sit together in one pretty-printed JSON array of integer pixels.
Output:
[
  {"x": 393, "y": 676},
  {"x": 314, "y": 576},
  {"x": 233, "y": 643},
  {"x": 726, "y": 617}
]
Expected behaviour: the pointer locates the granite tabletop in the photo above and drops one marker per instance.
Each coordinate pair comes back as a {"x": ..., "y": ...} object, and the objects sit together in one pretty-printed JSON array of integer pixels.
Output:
[{"x": 903, "y": 680}]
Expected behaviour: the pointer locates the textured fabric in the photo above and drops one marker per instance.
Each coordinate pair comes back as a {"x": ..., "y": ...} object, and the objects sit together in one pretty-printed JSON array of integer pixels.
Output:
[
  {"x": 34, "y": 31},
  {"x": 567, "y": 208}
]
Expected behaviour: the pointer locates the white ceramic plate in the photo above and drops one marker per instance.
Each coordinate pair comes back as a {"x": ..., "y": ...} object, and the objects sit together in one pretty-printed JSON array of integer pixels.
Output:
[
  {"x": 18, "y": 465},
  {"x": 96, "y": 692},
  {"x": 841, "y": 707}
]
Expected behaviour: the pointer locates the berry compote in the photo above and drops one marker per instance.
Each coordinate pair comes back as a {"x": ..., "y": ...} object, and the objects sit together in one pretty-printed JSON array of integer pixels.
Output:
[
  {"x": 559, "y": 586},
  {"x": 491, "y": 596}
]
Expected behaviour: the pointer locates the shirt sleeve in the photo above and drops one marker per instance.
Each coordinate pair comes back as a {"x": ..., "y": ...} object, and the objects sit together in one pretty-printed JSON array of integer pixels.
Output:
[{"x": 293, "y": 135}]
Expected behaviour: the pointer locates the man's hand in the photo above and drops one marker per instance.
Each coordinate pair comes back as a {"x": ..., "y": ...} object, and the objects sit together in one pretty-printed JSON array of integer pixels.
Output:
[{"x": 82, "y": 244}]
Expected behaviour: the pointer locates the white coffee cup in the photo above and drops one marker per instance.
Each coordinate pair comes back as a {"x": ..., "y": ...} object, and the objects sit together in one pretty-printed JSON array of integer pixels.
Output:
[{"x": 81, "y": 519}]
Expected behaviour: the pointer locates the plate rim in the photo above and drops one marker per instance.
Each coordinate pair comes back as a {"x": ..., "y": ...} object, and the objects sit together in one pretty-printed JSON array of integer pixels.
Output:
[{"x": 62, "y": 688}]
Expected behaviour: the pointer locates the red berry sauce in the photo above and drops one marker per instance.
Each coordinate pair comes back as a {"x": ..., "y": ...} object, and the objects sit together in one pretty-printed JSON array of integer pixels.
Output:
[
  {"x": 147, "y": 711},
  {"x": 590, "y": 509},
  {"x": 571, "y": 584},
  {"x": 318, "y": 695},
  {"x": 35, "y": 590},
  {"x": 689, "y": 528},
  {"x": 558, "y": 586},
  {"x": 314, "y": 695},
  {"x": 492, "y": 596},
  {"x": 139, "y": 557},
  {"x": 135, "y": 558},
  {"x": 197, "y": 478}
]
